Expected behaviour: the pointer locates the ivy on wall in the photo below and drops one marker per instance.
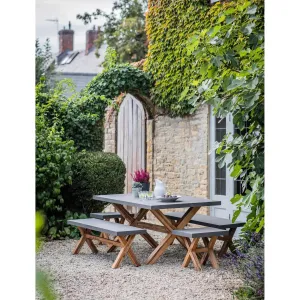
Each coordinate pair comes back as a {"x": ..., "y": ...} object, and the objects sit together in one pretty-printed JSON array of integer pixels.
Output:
[
  {"x": 200, "y": 54},
  {"x": 168, "y": 24},
  {"x": 120, "y": 79}
]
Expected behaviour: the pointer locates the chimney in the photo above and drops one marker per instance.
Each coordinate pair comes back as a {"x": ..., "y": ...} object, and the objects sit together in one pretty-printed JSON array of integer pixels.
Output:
[
  {"x": 91, "y": 36},
  {"x": 66, "y": 39}
]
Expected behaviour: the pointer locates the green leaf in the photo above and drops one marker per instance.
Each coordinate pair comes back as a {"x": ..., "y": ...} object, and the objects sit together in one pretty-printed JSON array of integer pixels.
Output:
[
  {"x": 229, "y": 20},
  {"x": 251, "y": 10},
  {"x": 250, "y": 98},
  {"x": 217, "y": 61},
  {"x": 236, "y": 198},
  {"x": 248, "y": 28},
  {"x": 67, "y": 230},
  {"x": 203, "y": 68},
  {"x": 52, "y": 231},
  {"x": 261, "y": 225},
  {"x": 184, "y": 92},
  {"x": 236, "y": 171},
  {"x": 236, "y": 214},
  {"x": 236, "y": 83}
]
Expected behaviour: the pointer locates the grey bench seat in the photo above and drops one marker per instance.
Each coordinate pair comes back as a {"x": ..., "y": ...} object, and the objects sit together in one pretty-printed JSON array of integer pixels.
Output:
[
  {"x": 205, "y": 220},
  {"x": 124, "y": 237},
  {"x": 196, "y": 234},
  {"x": 215, "y": 222},
  {"x": 115, "y": 229},
  {"x": 200, "y": 232}
]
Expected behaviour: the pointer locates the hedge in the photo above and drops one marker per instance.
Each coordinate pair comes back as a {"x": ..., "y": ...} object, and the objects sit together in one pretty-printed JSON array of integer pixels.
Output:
[{"x": 94, "y": 173}]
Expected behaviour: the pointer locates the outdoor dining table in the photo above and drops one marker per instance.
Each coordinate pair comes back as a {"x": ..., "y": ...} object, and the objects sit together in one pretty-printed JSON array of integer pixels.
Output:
[{"x": 121, "y": 201}]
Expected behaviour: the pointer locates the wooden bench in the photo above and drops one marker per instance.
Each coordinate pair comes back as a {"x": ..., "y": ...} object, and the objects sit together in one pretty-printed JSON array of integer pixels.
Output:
[
  {"x": 107, "y": 216},
  {"x": 214, "y": 222},
  {"x": 124, "y": 233},
  {"x": 193, "y": 250}
]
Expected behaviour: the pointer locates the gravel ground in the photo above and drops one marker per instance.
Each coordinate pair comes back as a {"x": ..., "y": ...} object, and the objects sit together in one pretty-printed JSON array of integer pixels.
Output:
[{"x": 88, "y": 276}]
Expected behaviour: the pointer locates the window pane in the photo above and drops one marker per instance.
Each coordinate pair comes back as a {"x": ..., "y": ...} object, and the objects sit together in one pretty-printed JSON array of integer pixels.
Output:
[
  {"x": 221, "y": 123},
  {"x": 220, "y": 174},
  {"x": 220, "y": 187}
]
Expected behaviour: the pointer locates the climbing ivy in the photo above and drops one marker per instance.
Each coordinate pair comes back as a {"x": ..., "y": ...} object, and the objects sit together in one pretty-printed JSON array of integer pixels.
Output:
[
  {"x": 120, "y": 79},
  {"x": 168, "y": 24},
  {"x": 200, "y": 54}
]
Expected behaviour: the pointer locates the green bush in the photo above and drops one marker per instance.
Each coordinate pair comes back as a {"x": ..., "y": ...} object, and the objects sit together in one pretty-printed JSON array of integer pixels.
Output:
[
  {"x": 94, "y": 173},
  {"x": 81, "y": 115},
  {"x": 54, "y": 158}
]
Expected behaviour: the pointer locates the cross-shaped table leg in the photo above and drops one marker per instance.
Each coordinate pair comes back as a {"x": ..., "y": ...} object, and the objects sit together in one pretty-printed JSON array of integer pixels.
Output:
[{"x": 132, "y": 220}]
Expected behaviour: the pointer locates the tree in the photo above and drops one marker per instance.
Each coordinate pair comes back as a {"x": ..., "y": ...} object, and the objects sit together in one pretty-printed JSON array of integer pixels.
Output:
[
  {"x": 124, "y": 29},
  {"x": 43, "y": 60}
]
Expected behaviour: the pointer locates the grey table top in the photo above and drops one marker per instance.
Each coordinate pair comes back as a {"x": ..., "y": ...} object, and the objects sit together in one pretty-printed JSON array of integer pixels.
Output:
[{"x": 129, "y": 199}]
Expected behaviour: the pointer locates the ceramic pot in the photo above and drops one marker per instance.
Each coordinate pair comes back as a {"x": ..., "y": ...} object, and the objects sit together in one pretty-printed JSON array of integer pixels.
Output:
[
  {"x": 135, "y": 192},
  {"x": 145, "y": 186}
]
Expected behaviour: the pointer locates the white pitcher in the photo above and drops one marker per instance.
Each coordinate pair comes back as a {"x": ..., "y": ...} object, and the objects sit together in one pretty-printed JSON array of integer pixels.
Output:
[{"x": 159, "y": 189}]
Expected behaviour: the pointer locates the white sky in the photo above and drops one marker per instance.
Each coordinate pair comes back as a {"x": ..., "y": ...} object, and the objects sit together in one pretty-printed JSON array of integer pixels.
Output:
[{"x": 65, "y": 11}]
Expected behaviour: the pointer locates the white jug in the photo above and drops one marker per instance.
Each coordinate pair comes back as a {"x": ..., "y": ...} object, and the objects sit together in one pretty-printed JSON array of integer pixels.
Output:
[{"x": 159, "y": 189}]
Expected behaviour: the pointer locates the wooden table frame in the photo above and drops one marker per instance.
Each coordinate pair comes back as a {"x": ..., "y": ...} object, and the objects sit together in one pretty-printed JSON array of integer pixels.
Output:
[
  {"x": 193, "y": 204},
  {"x": 167, "y": 227}
]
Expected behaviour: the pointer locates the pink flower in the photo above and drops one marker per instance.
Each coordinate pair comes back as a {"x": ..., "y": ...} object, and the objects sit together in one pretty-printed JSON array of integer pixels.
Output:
[{"x": 140, "y": 176}]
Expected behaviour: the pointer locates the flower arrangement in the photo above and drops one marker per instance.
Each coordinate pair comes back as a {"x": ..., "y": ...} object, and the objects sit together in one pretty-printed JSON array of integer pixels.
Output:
[{"x": 140, "y": 176}]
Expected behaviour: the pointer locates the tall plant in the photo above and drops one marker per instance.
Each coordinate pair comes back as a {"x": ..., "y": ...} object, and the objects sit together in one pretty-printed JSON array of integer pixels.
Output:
[{"x": 230, "y": 49}]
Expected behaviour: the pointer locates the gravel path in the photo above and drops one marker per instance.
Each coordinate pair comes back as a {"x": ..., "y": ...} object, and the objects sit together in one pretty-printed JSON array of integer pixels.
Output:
[{"x": 88, "y": 276}]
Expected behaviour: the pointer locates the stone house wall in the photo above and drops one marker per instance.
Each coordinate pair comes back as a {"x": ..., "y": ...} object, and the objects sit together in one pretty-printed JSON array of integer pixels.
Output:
[{"x": 177, "y": 151}]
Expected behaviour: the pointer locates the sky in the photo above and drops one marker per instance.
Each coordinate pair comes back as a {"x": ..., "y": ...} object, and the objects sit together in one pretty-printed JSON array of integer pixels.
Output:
[{"x": 65, "y": 11}]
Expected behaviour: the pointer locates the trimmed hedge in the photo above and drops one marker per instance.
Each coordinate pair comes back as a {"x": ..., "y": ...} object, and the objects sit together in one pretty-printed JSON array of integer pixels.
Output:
[{"x": 94, "y": 173}]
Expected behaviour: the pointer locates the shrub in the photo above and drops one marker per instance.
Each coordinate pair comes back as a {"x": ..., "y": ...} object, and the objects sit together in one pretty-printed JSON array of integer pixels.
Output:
[
  {"x": 94, "y": 173},
  {"x": 81, "y": 115},
  {"x": 249, "y": 262},
  {"x": 54, "y": 158}
]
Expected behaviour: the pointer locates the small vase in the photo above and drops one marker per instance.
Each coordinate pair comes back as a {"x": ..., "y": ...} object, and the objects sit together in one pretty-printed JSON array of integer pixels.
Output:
[
  {"x": 145, "y": 186},
  {"x": 135, "y": 192}
]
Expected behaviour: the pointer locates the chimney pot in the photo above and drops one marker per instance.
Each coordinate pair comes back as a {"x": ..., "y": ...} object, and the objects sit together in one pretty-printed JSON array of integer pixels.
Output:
[
  {"x": 91, "y": 36},
  {"x": 66, "y": 40}
]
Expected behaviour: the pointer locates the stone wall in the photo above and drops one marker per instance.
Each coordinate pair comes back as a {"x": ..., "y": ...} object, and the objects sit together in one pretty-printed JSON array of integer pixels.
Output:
[
  {"x": 177, "y": 152},
  {"x": 180, "y": 153},
  {"x": 110, "y": 132}
]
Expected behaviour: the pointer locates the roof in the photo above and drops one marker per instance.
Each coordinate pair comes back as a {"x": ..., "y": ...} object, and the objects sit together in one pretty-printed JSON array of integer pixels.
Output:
[{"x": 77, "y": 62}]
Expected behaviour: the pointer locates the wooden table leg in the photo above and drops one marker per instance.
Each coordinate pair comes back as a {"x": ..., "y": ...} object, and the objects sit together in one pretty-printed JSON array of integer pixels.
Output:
[
  {"x": 167, "y": 241},
  {"x": 228, "y": 242},
  {"x": 132, "y": 220}
]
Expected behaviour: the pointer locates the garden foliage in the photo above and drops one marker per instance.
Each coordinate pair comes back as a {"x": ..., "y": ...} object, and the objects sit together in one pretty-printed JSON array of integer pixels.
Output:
[
  {"x": 64, "y": 125},
  {"x": 215, "y": 55},
  {"x": 81, "y": 115},
  {"x": 249, "y": 262},
  {"x": 123, "y": 30},
  {"x": 120, "y": 79},
  {"x": 95, "y": 173}
]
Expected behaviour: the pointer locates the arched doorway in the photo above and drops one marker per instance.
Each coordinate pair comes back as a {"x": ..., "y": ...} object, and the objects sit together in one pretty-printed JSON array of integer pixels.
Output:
[{"x": 131, "y": 136}]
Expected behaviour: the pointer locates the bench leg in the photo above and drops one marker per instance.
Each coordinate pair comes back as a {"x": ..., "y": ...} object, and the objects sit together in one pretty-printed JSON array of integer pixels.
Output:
[
  {"x": 210, "y": 252},
  {"x": 83, "y": 239},
  {"x": 228, "y": 243},
  {"x": 191, "y": 254},
  {"x": 126, "y": 249}
]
